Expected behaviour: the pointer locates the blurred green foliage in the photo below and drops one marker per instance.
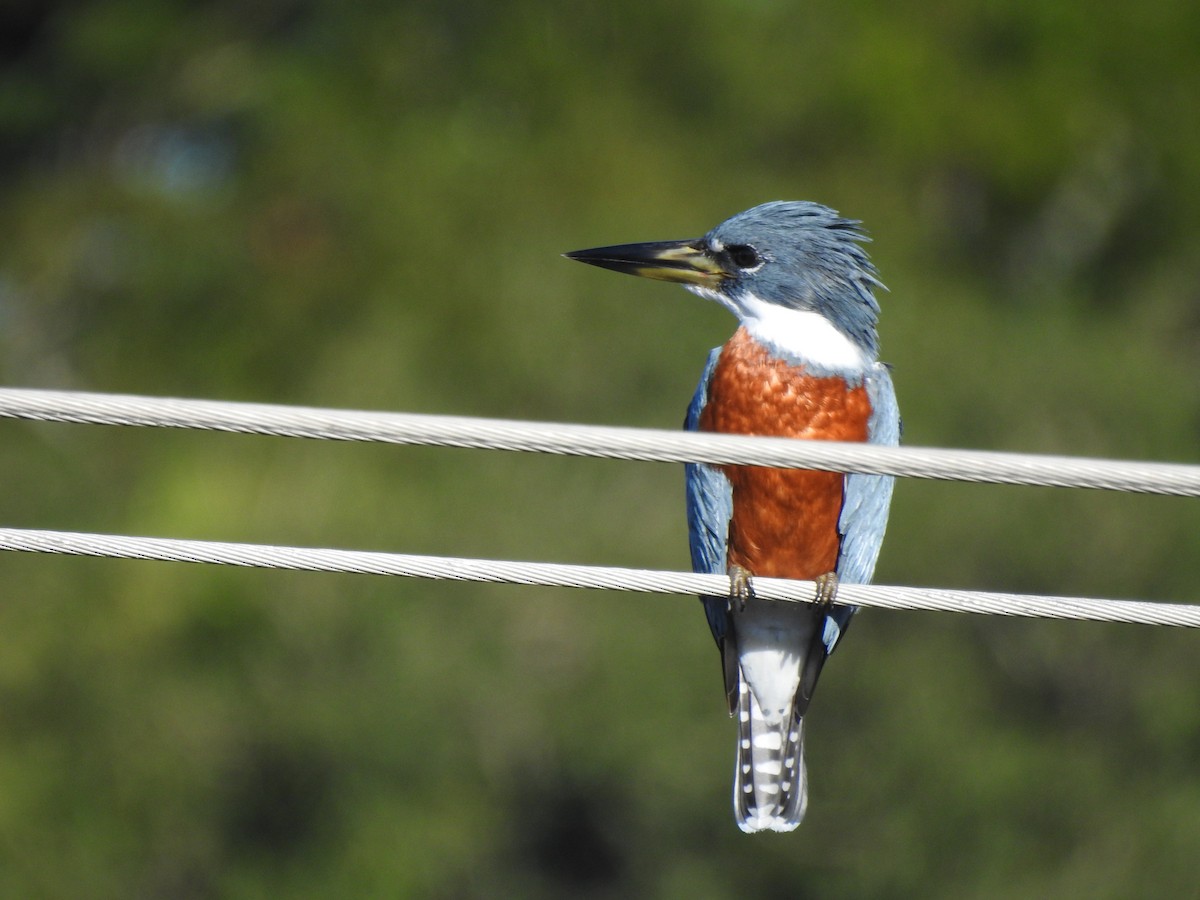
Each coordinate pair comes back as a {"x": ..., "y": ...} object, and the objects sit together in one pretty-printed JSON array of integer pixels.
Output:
[{"x": 361, "y": 205}]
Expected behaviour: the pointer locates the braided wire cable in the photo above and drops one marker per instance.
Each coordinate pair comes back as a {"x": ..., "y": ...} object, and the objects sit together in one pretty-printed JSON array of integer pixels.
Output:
[
  {"x": 310, "y": 559},
  {"x": 600, "y": 441}
]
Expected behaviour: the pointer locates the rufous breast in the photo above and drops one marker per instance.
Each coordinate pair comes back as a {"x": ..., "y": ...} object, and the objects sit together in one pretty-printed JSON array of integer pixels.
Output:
[{"x": 784, "y": 522}]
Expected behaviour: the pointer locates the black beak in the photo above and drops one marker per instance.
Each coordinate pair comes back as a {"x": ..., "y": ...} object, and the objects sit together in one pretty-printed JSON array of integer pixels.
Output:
[{"x": 684, "y": 262}]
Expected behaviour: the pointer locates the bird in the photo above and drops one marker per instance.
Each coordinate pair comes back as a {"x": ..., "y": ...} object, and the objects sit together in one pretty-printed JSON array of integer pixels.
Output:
[{"x": 802, "y": 363}]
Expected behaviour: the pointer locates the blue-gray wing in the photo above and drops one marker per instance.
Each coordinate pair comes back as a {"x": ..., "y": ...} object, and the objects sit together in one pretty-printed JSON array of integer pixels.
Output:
[
  {"x": 709, "y": 508},
  {"x": 867, "y": 497},
  {"x": 866, "y": 501}
]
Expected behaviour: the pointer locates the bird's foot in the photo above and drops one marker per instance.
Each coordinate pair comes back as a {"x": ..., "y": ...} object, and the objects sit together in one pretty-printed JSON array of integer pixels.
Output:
[
  {"x": 740, "y": 588},
  {"x": 827, "y": 587}
]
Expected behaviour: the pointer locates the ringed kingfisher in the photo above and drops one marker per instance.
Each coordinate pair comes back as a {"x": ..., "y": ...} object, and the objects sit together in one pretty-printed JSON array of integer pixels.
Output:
[{"x": 803, "y": 363}]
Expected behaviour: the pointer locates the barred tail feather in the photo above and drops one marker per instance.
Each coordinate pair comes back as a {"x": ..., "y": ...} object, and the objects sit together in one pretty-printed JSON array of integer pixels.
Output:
[{"x": 770, "y": 789}]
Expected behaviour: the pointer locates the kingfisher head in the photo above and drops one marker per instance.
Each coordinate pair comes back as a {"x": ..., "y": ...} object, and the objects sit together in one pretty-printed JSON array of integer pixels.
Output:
[{"x": 794, "y": 273}]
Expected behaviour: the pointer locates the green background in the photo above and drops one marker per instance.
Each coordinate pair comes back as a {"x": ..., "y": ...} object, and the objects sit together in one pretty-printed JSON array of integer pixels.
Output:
[{"x": 362, "y": 205}]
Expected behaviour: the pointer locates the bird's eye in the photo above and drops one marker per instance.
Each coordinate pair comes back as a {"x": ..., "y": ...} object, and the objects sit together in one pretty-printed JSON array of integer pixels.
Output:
[{"x": 744, "y": 256}]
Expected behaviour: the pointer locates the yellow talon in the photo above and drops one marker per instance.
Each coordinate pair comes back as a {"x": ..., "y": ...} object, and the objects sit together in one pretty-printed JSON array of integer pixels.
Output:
[
  {"x": 827, "y": 586},
  {"x": 740, "y": 588}
]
